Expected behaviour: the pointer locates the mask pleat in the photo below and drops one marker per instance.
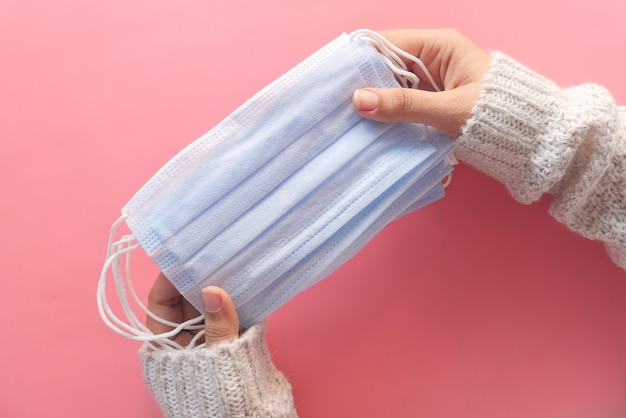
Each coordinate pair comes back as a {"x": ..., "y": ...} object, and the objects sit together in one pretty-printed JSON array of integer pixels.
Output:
[
  {"x": 246, "y": 196},
  {"x": 343, "y": 244},
  {"x": 414, "y": 161},
  {"x": 252, "y": 135},
  {"x": 302, "y": 187},
  {"x": 311, "y": 221}
]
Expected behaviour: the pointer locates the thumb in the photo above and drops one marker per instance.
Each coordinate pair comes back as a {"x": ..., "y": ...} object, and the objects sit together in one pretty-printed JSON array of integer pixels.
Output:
[
  {"x": 447, "y": 110},
  {"x": 220, "y": 317}
]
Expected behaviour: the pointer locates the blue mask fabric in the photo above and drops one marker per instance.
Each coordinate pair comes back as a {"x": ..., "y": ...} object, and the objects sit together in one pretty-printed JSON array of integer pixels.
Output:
[{"x": 280, "y": 193}]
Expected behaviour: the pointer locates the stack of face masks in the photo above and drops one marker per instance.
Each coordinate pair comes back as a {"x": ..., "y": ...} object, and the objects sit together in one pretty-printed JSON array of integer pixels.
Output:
[{"x": 284, "y": 190}]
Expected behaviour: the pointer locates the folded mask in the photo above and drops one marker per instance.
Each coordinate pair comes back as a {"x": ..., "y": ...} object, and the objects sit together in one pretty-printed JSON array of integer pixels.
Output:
[{"x": 283, "y": 191}]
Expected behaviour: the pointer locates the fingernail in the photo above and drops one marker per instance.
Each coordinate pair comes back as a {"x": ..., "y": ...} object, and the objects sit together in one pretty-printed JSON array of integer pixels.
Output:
[
  {"x": 212, "y": 300},
  {"x": 366, "y": 100}
]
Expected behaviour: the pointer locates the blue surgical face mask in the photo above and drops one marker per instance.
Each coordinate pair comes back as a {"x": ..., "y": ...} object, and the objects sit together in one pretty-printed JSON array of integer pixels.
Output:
[{"x": 284, "y": 190}]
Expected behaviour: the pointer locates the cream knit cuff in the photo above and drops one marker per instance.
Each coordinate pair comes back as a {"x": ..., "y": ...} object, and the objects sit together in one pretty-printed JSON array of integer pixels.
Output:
[
  {"x": 537, "y": 138},
  {"x": 235, "y": 379},
  {"x": 505, "y": 135}
]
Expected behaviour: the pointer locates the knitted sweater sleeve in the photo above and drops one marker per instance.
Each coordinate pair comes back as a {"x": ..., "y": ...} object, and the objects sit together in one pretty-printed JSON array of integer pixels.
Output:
[
  {"x": 537, "y": 138},
  {"x": 233, "y": 379}
]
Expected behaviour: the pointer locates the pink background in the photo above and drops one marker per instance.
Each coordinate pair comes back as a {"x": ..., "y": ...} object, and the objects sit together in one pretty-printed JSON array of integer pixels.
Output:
[{"x": 476, "y": 306}]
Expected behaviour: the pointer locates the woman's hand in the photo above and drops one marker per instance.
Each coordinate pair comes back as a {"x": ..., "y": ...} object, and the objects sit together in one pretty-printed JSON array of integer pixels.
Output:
[
  {"x": 457, "y": 66},
  {"x": 220, "y": 318}
]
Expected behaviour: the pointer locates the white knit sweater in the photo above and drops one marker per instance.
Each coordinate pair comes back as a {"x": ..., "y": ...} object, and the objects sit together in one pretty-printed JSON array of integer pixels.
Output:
[
  {"x": 236, "y": 379},
  {"x": 537, "y": 138},
  {"x": 527, "y": 133}
]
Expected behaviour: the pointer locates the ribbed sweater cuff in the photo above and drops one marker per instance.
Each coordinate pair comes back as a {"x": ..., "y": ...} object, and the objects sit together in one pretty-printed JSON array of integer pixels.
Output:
[
  {"x": 235, "y": 379},
  {"x": 505, "y": 136}
]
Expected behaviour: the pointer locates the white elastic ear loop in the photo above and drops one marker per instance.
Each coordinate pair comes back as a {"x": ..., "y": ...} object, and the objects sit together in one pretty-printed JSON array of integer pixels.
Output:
[
  {"x": 392, "y": 55},
  {"x": 134, "y": 328},
  {"x": 450, "y": 160}
]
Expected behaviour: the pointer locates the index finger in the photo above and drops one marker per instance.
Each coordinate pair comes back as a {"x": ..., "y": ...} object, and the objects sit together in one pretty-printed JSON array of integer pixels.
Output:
[
  {"x": 451, "y": 58},
  {"x": 437, "y": 49},
  {"x": 422, "y": 43},
  {"x": 165, "y": 301}
]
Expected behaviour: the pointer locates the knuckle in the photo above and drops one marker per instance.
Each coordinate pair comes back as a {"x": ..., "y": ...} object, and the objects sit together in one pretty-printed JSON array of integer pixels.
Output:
[
  {"x": 218, "y": 332},
  {"x": 452, "y": 33},
  {"x": 156, "y": 299},
  {"x": 402, "y": 102}
]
